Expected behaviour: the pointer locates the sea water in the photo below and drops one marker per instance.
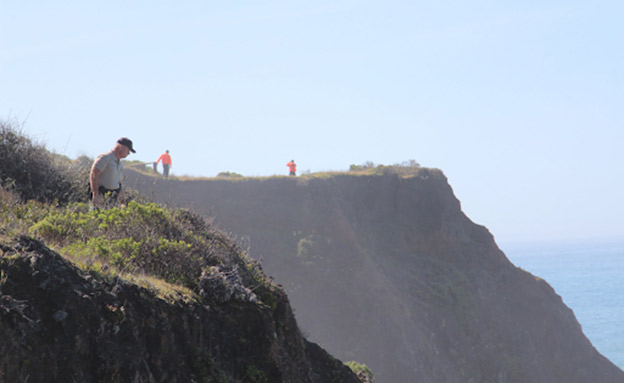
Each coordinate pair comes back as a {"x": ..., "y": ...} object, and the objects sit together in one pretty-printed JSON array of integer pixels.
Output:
[{"x": 589, "y": 277}]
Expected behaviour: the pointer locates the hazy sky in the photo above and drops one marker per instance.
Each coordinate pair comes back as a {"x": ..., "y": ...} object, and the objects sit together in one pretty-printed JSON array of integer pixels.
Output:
[{"x": 520, "y": 103}]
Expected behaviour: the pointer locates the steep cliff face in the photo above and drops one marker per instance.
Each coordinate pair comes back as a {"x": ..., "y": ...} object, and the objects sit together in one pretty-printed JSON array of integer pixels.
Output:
[
  {"x": 61, "y": 324},
  {"x": 388, "y": 271}
]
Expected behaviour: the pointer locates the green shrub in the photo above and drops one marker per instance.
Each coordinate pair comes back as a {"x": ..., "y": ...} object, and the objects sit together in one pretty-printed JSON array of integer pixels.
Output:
[
  {"x": 405, "y": 168},
  {"x": 229, "y": 175},
  {"x": 255, "y": 375},
  {"x": 16, "y": 217},
  {"x": 175, "y": 245},
  {"x": 362, "y": 371}
]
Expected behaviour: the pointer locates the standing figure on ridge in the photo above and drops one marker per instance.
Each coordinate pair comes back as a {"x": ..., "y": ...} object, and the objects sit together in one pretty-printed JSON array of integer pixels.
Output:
[
  {"x": 293, "y": 167},
  {"x": 166, "y": 160},
  {"x": 106, "y": 173}
]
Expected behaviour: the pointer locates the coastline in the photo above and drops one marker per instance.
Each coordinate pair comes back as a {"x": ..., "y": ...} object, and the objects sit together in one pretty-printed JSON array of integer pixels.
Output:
[{"x": 587, "y": 275}]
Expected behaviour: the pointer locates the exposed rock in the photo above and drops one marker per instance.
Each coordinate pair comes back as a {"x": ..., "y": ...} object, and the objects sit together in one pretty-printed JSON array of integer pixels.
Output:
[
  {"x": 60, "y": 324},
  {"x": 223, "y": 286}
]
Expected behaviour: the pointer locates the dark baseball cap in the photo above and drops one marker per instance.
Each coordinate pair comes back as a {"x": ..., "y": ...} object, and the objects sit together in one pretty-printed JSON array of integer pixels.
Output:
[{"x": 125, "y": 141}]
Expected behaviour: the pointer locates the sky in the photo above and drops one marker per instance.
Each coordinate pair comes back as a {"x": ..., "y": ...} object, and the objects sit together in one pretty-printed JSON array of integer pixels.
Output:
[{"x": 520, "y": 104}]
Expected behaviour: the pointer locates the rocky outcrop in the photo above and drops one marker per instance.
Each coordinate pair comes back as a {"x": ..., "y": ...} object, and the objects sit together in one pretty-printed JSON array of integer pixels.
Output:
[
  {"x": 59, "y": 323},
  {"x": 388, "y": 271}
]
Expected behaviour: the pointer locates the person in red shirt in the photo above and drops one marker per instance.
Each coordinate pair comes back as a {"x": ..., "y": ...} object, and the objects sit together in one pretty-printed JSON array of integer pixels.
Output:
[
  {"x": 166, "y": 160},
  {"x": 293, "y": 167}
]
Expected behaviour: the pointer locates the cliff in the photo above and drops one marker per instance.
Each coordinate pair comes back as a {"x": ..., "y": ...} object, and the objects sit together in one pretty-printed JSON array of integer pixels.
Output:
[{"x": 387, "y": 270}]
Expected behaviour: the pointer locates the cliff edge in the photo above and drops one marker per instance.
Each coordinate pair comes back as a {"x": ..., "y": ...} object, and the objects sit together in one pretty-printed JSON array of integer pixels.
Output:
[{"x": 387, "y": 270}]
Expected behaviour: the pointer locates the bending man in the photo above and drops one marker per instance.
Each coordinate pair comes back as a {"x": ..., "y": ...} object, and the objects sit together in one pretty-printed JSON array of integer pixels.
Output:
[{"x": 106, "y": 172}]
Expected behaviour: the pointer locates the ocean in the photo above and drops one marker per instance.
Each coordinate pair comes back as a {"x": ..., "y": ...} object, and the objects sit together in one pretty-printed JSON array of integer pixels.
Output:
[{"x": 589, "y": 277}]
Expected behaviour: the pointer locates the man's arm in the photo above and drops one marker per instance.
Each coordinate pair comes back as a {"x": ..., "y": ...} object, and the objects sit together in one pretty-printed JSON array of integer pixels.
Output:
[{"x": 94, "y": 179}]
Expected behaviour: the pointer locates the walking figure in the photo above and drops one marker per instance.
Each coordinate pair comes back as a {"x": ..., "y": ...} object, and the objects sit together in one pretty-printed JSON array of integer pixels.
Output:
[{"x": 166, "y": 161}]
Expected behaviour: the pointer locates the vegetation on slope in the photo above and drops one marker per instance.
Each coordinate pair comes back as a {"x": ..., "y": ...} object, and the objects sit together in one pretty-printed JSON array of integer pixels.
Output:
[
  {"x": 34, "y": 173},
  {"x": 405, "y": 168},
  {"x": 174, "y": 253},
  {"x": 42, "y": 197}
]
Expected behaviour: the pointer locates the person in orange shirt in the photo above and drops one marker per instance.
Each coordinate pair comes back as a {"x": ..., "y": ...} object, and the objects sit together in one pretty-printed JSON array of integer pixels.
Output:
[
  {"x": 166, "y": 160},
  {"x": 293, "y": 167}
]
